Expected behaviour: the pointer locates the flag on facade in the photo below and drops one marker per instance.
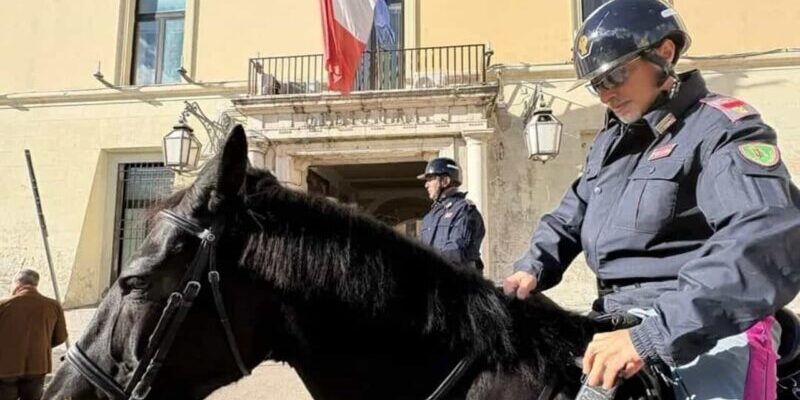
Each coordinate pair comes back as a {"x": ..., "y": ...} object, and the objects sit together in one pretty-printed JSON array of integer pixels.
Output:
[
  {"x": 346, "y": 27},
  {"x": 383, "y": 27}
]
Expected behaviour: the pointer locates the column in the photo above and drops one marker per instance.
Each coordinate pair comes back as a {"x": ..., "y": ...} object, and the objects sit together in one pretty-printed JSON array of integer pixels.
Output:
[{"x": 477, "y": 183}]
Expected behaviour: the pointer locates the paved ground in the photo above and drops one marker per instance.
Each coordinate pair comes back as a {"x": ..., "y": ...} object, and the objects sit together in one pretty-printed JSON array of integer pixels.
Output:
[{"x": 269, "y": 381}]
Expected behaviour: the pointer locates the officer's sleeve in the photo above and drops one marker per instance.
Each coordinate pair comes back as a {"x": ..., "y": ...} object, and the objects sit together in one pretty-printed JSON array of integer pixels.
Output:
[
  {"x": 467, "y": 234},
  {"x": 557, "y": 239},
  {"x": 749, "y": 268}
]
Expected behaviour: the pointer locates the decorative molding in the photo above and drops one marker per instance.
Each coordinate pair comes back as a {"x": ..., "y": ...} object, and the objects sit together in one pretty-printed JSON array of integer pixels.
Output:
[
  {"x": 329, "y": 101},
  {"x": 479, "y": 135},
  {"x": 566, "y": 71},
  {"x": 369, "y": 115},
  {"x": 125, "y": 93}
]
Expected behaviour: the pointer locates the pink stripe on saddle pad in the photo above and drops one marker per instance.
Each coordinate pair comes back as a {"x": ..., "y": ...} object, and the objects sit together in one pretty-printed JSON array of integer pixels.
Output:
[{"x": 761, "y": 383}]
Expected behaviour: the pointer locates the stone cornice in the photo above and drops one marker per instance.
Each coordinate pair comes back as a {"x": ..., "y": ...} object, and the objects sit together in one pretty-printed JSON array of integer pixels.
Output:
[
  {"x": 125, "y": 93},
  {"x": 566, "y": 71},
  {"x": 359, "y": 136},
  {"x": 360, "y": 101}
]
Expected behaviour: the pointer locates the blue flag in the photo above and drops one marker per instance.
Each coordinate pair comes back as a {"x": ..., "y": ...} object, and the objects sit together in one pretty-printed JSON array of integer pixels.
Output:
[{"x": 383, "y": 27}]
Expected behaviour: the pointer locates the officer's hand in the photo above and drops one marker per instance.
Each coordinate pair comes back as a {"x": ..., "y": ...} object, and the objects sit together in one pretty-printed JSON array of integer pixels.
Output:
[
  {"x": 610, "y": 355},
  {"x": 520, "y": 284}
]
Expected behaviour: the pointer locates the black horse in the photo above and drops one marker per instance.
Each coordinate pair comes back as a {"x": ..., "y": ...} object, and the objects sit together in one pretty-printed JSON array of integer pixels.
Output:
[{"x": 358, "y": 310}]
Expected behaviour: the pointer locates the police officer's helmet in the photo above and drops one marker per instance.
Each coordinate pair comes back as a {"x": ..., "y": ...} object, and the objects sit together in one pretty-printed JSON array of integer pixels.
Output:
[
  {"x": 442, "y": 166},
  {"x": 621, "y": 30}
]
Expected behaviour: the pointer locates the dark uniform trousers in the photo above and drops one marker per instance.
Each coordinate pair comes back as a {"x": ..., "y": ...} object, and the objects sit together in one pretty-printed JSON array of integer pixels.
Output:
[
  {"x": 455, "y": 228},
  {"x": 22, "y": 387},
  {"x": 689, "y": 212}
]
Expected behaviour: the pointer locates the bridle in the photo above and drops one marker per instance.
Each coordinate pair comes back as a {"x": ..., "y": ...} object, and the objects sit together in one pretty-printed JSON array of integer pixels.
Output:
[{"x": 172, "y": 316}]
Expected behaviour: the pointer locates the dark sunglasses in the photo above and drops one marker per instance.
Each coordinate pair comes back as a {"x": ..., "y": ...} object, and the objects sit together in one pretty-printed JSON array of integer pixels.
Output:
[{"x": 611, "y": 79}]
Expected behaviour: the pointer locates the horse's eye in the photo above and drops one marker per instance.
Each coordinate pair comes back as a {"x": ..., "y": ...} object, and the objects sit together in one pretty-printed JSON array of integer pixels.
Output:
[
  {"x": 176, "y": 248},
  {"x": 135, "y": 283}
]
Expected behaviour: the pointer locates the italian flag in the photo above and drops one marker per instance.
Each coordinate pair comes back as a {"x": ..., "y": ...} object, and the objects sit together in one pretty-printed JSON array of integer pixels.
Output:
[{"x": 346, "y": 27}]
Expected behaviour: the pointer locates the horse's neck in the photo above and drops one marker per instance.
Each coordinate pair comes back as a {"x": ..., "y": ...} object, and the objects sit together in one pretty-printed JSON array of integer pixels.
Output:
[
  {"x": 344, "y": 354},
  {"x": 386, "y": 367}
]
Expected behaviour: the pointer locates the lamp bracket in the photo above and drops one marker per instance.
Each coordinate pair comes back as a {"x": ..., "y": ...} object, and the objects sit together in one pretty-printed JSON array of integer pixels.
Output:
[{"x": 216, "y": 130}]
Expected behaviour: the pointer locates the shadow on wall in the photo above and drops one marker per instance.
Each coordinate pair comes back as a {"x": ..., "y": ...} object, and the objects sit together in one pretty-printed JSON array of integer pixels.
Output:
[
  {"x": 522, "y": 190},
  {"x": 731, "y": 82}
]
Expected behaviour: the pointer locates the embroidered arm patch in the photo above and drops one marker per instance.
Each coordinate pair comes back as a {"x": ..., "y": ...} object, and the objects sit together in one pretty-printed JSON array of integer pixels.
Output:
[{"x": 761, "y": 154}]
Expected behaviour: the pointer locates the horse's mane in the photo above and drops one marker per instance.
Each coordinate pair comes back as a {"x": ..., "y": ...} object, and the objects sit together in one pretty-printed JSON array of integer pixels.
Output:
[
  {"x": 313, "y": 246},
  {"x": 310, "y": 246}
]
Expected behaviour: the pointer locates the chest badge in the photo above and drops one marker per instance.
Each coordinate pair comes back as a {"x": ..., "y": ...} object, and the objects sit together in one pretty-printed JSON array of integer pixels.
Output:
[
  {"x": 448, "y": 215},
  {"x": 662, "y": 152},
  {"x": 665, "y": 123}
]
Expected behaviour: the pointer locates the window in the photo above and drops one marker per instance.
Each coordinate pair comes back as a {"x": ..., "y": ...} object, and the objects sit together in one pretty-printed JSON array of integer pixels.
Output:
[
  {"x": 140, "y": 186},
  {"x": 158, "y": 44},
  {"x": 381, "y": 63},
  {"x": 588, "y": 7}
]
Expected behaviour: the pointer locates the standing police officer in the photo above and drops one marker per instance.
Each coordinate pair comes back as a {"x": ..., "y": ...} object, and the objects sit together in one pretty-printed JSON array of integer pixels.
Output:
[
  {"x": 684, "y": 211},
  {"x": 453, "y": 225}
]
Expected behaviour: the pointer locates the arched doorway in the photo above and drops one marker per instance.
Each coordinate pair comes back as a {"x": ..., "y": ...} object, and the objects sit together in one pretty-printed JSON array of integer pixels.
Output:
[{"x": 388, "y": 191}]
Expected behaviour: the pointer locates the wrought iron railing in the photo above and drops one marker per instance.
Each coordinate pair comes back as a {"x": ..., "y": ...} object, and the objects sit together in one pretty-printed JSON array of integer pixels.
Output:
[{"x": 420, "y": 68}]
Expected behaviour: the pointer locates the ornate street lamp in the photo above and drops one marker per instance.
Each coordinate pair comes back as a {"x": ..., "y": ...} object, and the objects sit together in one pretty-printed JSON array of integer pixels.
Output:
[
  {"x": 543, "y": 134},
  {"x": 181, "y": 147}
]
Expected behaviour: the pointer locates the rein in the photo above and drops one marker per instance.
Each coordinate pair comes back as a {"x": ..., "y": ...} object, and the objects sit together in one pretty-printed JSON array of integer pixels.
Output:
[{"x": 172, "y": 316}]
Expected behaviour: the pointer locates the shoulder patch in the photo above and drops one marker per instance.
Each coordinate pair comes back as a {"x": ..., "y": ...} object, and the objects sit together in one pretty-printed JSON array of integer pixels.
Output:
[
  {"x": 734, "y": 109},
  {"x": 761, "y": 154}
]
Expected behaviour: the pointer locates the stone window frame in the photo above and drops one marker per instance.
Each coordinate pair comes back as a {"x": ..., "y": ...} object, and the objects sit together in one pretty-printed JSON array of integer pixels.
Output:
[{"x": 123, "y": 72}]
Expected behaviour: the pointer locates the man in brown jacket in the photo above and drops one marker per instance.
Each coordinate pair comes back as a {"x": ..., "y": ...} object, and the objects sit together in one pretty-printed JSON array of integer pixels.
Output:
[{"x": 30, "y": 325}]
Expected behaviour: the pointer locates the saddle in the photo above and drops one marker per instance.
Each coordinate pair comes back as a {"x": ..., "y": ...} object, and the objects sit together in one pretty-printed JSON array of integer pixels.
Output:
[
  {"x": 789, "y": 353},
  {"x": 657, "y": 385}
]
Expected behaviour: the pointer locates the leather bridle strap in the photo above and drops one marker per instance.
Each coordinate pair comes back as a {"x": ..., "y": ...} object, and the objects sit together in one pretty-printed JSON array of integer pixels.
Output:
[
  {"x": 213, "y": 279},
  {"x": 452, "y": 378},
  {"x": 140, "y": 389},
  {"x": 169, "y": 322},
  {"x": 94, "y": 374}
]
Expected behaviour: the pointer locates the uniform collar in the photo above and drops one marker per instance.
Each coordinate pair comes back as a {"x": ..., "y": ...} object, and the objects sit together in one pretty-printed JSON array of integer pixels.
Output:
[
  {"x": 450, "y": 195},
  {"x": 692, "y": 89}
]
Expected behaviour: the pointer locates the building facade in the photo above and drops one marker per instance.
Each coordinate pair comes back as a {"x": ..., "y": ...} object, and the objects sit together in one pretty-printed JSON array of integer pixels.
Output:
[{"x": 90, "y": 87}]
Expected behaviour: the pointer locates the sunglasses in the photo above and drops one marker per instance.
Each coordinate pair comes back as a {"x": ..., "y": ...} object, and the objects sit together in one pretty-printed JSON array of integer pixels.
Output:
[{"x": 611, "y": 79}]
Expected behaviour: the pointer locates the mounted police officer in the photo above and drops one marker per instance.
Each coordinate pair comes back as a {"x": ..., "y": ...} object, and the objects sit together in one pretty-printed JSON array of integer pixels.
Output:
[
  {"x": 685, "y": 211},
  {"x": 453, "y": 225}
]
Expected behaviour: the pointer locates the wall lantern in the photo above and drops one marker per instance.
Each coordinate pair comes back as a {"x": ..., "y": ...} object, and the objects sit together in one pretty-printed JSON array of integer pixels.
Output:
[{"x": 181, "y": 147}]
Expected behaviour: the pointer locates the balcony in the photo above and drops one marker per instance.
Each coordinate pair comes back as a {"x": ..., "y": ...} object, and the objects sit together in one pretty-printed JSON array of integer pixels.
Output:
[{"x": 384, "y": 70}]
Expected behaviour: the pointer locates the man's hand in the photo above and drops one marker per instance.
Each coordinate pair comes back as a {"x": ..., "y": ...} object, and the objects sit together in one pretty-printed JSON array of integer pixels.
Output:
[
  {"x": 520, "y": 284},
  {"x": 610, "y": 355}
]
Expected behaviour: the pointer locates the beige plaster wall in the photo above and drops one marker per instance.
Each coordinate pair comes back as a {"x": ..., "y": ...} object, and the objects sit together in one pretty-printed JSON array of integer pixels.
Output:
[{"x": 74, "y": 149}]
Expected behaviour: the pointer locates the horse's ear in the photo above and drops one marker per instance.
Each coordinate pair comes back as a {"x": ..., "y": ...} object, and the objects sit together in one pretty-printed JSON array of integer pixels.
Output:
[{"x": 233, "y": 164}]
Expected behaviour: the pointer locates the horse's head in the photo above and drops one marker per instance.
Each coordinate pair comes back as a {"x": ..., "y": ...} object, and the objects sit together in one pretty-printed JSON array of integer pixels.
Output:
[{"x": 177, "y": 254}]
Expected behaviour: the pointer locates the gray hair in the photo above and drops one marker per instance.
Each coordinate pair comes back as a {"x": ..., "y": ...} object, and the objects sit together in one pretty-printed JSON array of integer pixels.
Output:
[{"x": 27, "y": 277}]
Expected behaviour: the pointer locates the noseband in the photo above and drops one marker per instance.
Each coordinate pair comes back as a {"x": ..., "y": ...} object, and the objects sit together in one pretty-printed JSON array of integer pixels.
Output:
[{"x": 172, "y": 317}]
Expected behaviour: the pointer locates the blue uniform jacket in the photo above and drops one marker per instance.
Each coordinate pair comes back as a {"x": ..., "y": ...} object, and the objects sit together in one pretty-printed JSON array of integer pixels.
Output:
[
  {"x": 455, "y": 228},
  {"x": 691, "y": 212}
]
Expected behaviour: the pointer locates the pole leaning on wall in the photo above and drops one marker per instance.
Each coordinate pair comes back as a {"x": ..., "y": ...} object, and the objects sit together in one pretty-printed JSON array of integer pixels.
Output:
[{"x": 42, "y": 225}]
